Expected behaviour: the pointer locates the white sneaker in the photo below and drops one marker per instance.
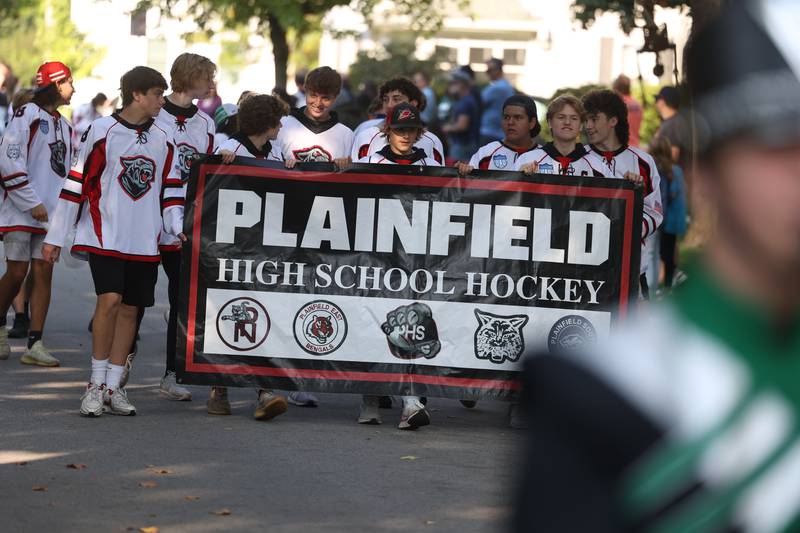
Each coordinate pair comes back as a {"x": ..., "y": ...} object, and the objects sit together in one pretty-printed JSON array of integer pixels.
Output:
[
  {"x": 126, "y": 368},
  {"x": 5, "y": 349},
  {"x": 369, "y": 410},
  {"x": 414, "y": 414},
  {"x": 116, "y": 402},
  {"x": 173, "y": 391},
  {"x": 92, "y": 400},
  {"x": 38, "y": 355},
  {"x": 302, "y": 399}
]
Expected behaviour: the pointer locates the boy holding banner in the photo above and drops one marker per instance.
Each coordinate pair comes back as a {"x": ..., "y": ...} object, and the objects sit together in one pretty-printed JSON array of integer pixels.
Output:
[{"x": 402, "y": 129}]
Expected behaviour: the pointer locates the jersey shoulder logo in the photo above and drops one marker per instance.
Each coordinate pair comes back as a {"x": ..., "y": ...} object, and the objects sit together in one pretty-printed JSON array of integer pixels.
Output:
[
  {"x": 500, "y": 160},
  {"x": 314, "y": 153},
  {"x": 137, "y": 175},
  {"x": 187, "y": 154},
  {"x": 58, "y": 156},
  {"x": 14, "y": 151},
  {"x": 545, "y": 168},
  {"x": 44, "y": 127}
]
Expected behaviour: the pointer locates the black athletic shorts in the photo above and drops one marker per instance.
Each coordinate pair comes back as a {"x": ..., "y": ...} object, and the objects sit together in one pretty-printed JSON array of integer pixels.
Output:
[{"x": 134, "y": 280}]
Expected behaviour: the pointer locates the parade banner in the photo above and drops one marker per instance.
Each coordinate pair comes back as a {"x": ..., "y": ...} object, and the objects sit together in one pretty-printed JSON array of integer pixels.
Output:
[{"x": 397, "y": 280}]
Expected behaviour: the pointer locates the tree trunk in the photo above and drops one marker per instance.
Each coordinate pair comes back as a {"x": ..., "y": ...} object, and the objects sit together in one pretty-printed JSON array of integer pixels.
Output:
[{"x": 280, "y": 50}]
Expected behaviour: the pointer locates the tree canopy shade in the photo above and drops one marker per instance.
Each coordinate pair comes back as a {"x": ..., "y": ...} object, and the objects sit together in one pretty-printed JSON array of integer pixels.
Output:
[
  {"x": 629, "y": 11},
  {"x": 278, "y": 17}
]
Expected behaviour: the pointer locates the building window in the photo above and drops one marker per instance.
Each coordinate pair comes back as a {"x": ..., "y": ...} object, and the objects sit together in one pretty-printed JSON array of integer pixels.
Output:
[
  {"x": 139, "y": 22},
  {"x": 446, "y": 54},
  {"x": 479, "y": 55},
  {"x": 514, "y": 56}
]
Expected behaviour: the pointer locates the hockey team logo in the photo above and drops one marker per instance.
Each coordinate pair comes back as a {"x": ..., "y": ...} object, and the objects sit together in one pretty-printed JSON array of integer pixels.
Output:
[
  {"x": 320, "y": 327},
  {"x": 314, "y": 154},
  {"x": 500, "y": 160},
  {"x": 411, "y": 332},
  {"x": 13, "y": 151},
  {"x": 243, "y": 324},
  {"x": 545, "y": 168},
  {"x": 44, "y": 127},
  {"x": 137, "y": 175},
  {"x": 187, "y": 154},
  {"x": 58, "y": 155},
  {"x": 499, "y": 338},
  {"x": 405, "y": 114},
  {"x": 570, "y": 334}
]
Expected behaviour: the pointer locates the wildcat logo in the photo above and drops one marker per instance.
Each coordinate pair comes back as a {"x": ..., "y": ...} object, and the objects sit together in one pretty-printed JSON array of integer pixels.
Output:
[
  {"x": 411, "y": 332},
  {"x": 571, "y": 334},
  {"x": 243, "y": 324},
  {"x": 320, "y": 327},
  {"x": 187, "y": 154},
  {"x": 499, "y": 338},
  {"x": 313, "y": 154},
  {"x": 137, "y": 175},
  {"x": 58, "y": 154},
  {"x": 500, "y": 160}
]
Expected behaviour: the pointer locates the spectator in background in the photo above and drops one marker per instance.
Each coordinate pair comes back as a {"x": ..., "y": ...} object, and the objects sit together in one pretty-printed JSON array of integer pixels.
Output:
[
  {"x": 300, "y": 81},
  {"x": 86, "y": 114},
  {"x": 281, "y": 94},
  {"x": 210, "y": 103},
  {"x": 226, "y": 122},
  {"x": 672, "y": 127},
  {"x": 422, "y": 81},
  {"x": 493, "y": 97},
  {"x": 6, "y": 92},
  {"x": 622, "y": 86},
  {"x": 464, "y": 126},
  {"x": 673, "y": 198}
]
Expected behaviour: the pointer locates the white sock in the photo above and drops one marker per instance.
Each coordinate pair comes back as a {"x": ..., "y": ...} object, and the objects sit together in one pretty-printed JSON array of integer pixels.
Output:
[
  {"x": 114, "y": 375},
  {"x": 98, "y": 371},
  {"x": 411, "y": 400}
]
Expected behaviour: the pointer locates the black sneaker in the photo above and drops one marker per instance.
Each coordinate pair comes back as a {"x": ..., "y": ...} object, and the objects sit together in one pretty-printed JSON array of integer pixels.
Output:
[
  {"x": 469, "y": 404},
  {"x": 385, "y": 402},
  {"x": 20, "y": 328}
]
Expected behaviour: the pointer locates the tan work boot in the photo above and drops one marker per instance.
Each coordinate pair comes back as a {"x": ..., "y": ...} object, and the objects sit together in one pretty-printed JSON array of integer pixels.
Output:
[
  {"x": 269, "y": 405},
  {"x": 218, "y": 403},
  {"x": 38, "y": 355}
]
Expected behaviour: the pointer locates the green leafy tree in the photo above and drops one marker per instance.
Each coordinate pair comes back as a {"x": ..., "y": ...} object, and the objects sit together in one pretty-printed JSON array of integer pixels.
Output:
[
  {"x": 631, "y": 11},
  {"x": 389, "y": 60},
  {"x": 40, "y": 31},
  {"x": 282, "y": 19}
]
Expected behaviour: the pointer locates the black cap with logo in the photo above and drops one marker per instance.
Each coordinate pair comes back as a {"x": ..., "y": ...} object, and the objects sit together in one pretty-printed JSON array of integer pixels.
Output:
[{"x": 404, "y": 116}]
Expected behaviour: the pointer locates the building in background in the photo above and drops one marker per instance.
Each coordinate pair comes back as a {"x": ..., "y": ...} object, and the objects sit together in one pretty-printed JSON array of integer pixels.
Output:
[{"x": 543, "y": 48}]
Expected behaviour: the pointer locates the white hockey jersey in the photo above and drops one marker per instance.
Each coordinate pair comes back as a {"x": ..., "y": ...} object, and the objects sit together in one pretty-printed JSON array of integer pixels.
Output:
[
  {"x": 305, "y": 140},
  {"x": 630, "y": 159},
  {"x": 385, "y": 156},
  {"x": 371, "y": 139},
  {"x": 121, "y": 180},
  {"x": 34, "y": 157},
  {"x": 242, "y": 146},
  {"x": 192, "y": 134},
  {"x": 497, "y": 156},
  {"x": 552, "y": 162},
  {"x": 369, "y": 123}
]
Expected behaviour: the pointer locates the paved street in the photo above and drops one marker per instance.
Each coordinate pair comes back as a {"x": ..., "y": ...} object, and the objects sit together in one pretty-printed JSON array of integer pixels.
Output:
[{"x": 178, "y": 469}]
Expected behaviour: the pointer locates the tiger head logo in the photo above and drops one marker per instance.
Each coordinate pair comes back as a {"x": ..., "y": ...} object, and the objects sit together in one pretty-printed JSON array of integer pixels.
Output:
[
  {"x": 320, "y": 328},
  {"x": 138, "y": 173},
  {"x": 314, "y": 154}
]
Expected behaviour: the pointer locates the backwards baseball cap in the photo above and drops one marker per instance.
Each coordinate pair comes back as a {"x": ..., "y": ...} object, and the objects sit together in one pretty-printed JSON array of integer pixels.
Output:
[
  {"x": 51, "y": 72},
  {"x": 670, "y": 95},
  {"x": 404, "y": 116},
  {"x": 223, "y": 112},
  {"x": 744, "y": 74}
]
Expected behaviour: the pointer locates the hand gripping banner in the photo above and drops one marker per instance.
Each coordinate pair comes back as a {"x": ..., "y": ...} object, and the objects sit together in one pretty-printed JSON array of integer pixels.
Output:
[{"x": 397, "y": 280}]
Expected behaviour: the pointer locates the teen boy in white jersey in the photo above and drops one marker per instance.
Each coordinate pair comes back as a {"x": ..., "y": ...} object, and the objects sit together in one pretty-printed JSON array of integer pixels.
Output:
[{"x": 34, "y": 156}]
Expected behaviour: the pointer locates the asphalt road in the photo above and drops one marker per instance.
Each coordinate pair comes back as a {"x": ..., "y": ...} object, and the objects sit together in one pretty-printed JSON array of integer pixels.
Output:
[{"x": 178, "y": 469}]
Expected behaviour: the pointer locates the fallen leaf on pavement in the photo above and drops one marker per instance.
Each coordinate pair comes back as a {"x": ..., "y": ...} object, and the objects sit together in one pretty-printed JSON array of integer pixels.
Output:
[
  {"x": 191, "y": 498},
  {"x": 151, "y": 529},
  {"x": 76, "y": 466},
  {"x": 222, "y": 512},
  {"x": 147, "y": 484},
  {"x": 409, "y": 458},
  {"x": 39, "y": 488},
  {"x": 22, "y": 463},
  {"x": 162, "y": 471}
]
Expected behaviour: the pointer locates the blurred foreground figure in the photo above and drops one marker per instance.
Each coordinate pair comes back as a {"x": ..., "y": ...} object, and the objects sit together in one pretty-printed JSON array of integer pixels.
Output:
[{"x": 689, "y": 420}]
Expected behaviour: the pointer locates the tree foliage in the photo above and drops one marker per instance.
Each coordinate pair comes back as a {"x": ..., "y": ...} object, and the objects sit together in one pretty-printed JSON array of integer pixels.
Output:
[
  {"x": 41, "y": 31},
  {"x": 388, "y": 61}
]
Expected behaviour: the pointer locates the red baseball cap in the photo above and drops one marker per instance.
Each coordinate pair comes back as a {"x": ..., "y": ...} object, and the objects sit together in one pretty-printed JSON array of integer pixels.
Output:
[{"x": 51, "y": 72}]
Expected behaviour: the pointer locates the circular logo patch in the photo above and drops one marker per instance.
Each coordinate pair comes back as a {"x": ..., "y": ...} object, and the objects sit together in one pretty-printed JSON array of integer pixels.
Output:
[
  {"x": 320, "y": 327},
  {"x": 570, "y": 334},
  {"x": 243, "y": 324}
]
